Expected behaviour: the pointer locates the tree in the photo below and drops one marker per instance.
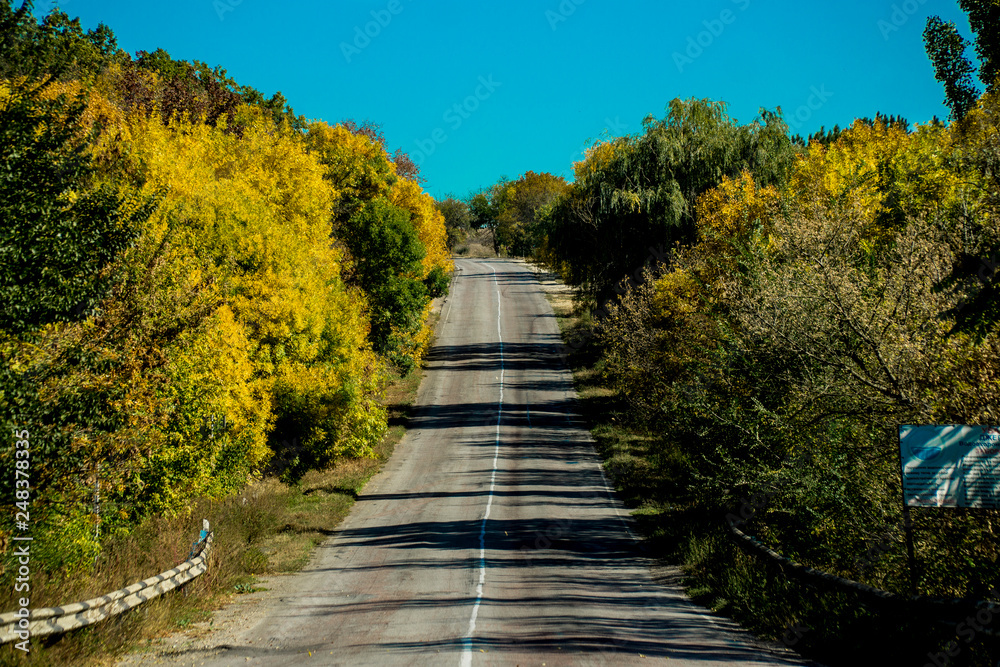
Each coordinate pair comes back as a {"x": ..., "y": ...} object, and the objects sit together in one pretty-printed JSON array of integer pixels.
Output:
[
  {"x": 946, "y": 49},
  {"x": 638, "y": 192},
  {"x": 387, "y": 254},
  {"x": 457, "y": 219},
  {"x": 481, "y": 209},
  {"x": 984, "y": 18},
  {"x": 55, "y": 47},
  {"x": 59, "y": 236},
  {"x": 518, "y": 207},
  {"x": 405, "y": 166},
  {"x": 484, "y": 206},
  {"x": 356, "y": 165},
  {"x": 192, "y": 89},
  {"x": 821, "y": 136}
]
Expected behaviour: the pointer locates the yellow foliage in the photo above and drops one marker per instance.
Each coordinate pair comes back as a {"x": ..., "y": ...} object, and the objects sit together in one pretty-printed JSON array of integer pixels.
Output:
[
  {"x": 360, "y": 170},
  {"x": 411, "y": 344},
  {"x": 356, "y": 166},
  {"x": 428, "y": 222},
  {"x": 231, "y": 307},
  {"x": 676, "y": 295},
  {"x": 737, "y": 213},
  {"x": 595, "y": 158},
  {"x": 978, "y": 138},
  {"x": 885, "y": 174},
  {"x": 248, "y": 218}
]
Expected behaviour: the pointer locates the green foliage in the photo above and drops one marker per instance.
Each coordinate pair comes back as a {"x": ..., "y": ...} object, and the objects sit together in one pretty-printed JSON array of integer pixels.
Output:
[
  {"x": 56, "y": 46},
  {"x": 155, "y": 82},
  {"x": 984, "y": 19},
  {"x": 484, "y": 207},
  {"x": 63, "y": 238},
  {"x": 387, "y": 254},
  {"x": 783, "y": 346},
  {"x": 437, "y": 282},
  {"x": 638, "y": 192},
  {"x": 457, "y": 219},
  {"x": 946, "y": 49},
  {"x": 383, "y": 242},
  {"x": 59, "y": 236},
  {"x": 191, "y": 280},
  {"x": 515, "y": 211},
  {"x": 821, "y": 136},
  {"x": 481, "y": 209}
]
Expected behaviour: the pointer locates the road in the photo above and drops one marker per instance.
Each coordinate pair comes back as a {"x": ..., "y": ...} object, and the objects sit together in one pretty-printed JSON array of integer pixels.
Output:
[{"x": 490, "y": 538}]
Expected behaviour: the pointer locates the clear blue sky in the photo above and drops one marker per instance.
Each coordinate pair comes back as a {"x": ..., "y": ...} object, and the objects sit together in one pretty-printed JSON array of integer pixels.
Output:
[{"x": 535, "y": 80}]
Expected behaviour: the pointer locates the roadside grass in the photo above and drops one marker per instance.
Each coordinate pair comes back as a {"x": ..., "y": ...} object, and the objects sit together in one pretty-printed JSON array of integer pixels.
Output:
[{"x": 269, "y": 528}]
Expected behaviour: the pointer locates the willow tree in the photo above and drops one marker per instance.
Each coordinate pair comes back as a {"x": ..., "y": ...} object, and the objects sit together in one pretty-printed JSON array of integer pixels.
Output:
[{"x": 637, "y": 193}]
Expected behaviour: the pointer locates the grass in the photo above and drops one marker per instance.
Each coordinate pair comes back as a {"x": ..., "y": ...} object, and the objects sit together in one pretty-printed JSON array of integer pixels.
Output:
[
  {"x": 269, "y": 528},
  {"x": 478, "y": 243}
]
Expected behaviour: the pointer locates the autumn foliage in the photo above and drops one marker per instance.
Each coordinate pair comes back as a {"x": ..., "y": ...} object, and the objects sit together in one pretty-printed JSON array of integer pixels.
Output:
[
  {"x": 203, "y": 318},
  {"x": 775, "y": 346}
]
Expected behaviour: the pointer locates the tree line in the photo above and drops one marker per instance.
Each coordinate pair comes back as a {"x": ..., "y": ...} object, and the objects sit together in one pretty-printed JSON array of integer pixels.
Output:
[{"x": 199, "y": 286}]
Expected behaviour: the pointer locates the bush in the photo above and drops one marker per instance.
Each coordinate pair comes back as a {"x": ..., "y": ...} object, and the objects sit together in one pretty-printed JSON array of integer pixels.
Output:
[{"x": 437, "y": 282}]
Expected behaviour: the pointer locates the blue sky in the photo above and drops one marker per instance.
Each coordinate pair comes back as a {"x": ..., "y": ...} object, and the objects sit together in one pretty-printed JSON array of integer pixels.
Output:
[{"x": 477, "y": 90}]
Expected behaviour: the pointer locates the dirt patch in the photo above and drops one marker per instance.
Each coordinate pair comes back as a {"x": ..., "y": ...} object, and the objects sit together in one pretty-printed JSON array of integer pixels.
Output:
[
  {"x": 559, "y": 295},
  {"x": 227, "y": 625}
]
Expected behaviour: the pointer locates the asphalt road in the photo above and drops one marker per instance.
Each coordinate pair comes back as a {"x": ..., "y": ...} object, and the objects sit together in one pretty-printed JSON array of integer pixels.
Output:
[{"x": 490, "y": 538}]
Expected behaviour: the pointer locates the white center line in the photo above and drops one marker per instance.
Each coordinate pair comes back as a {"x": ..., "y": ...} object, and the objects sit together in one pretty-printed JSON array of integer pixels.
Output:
[{"x": 467, "y": 651}]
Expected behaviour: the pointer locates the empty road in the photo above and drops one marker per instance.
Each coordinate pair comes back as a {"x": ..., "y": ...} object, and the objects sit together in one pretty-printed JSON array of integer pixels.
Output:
[{"x": 490, "y": 538}]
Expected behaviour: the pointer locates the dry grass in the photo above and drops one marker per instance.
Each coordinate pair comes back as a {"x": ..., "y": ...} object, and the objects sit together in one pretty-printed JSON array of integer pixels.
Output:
[{"x": 478, "y": 244}]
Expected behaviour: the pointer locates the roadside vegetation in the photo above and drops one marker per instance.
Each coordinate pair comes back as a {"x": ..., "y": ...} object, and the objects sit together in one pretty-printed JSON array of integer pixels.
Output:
[
  {"x": 757, "y": 313},
  {"x": 269, "y": 528},
  {"x": 214, "y": 308},
  {"x": 206, "y": 301}
]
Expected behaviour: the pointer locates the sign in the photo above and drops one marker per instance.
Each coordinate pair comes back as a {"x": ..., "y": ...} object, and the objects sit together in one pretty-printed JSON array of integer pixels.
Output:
[{"x": 950, "y": 466}]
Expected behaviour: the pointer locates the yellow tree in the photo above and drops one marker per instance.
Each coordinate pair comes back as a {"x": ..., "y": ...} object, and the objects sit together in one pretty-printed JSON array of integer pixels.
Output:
[
  {"x": 428, "y": 222},
  {"x": 249, "y": 215}
]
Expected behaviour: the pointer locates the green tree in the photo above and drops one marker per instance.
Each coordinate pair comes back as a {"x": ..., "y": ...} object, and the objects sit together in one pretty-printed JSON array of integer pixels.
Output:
[
  {"x": 457, "y": 219},
  {"x": 56, "y": 46},
  {"x": 946, "y": 49},
  {"x": 485, "y": 208},
  {"x": 638, "y": 192},
  {"x": 61, "y": 241},
  {"x": 59, "y": 237},
  {"x": 481, "y": 209},
  {"x": 387, "y": 254},
  {"x": 984, "y": 18}
]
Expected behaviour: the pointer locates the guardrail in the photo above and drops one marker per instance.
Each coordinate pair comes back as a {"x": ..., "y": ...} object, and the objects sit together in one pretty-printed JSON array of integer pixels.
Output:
[
  {"x": 52, "y": 620},
  {"x": 945, "y": 609}
]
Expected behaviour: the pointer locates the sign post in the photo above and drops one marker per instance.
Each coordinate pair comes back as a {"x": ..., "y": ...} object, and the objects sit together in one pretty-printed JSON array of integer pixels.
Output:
[{"x": 950, "y": 465}]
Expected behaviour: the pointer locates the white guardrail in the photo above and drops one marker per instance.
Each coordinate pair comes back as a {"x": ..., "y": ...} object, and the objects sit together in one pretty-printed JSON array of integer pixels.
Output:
[{"x": 50, "y": 620}]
